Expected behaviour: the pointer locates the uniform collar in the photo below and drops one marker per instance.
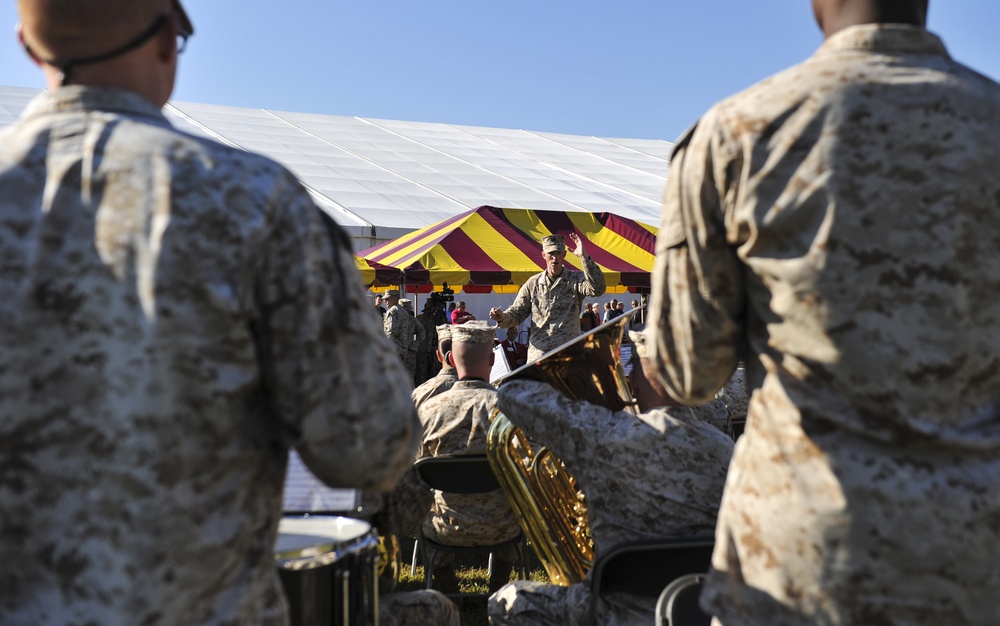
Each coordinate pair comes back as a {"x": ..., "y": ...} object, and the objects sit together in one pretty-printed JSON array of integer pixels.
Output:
[
  {"x": 473, "y": 383},
  {"x": 77, "y": 98},
  {"x": 886, "y": 38}
]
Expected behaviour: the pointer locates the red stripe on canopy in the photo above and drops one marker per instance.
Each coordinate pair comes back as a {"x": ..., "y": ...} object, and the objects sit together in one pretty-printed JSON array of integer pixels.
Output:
[
  {"x": 527, "y": 245},
  {"x": 561, "y": 223},
  {"x": 630, "y": 230},
  {"x": 379, "y": 253},
  {"x": 455, "y": 247},
  {"x": 485, "y": 270}
]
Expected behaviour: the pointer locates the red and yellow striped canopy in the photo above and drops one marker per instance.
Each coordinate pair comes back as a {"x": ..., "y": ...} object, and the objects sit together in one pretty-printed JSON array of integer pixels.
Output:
[{"x": 496, "y": 247}]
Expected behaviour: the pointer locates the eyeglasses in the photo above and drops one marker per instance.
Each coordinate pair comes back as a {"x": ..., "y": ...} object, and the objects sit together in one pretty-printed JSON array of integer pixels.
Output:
[
  {"x": 182, "y": 42},
  {"x": 184, "y": 27},
  {"x": 66, "y": 66}
]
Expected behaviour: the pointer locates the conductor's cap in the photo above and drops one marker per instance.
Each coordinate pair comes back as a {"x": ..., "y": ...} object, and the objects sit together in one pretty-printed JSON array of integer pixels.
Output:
[{"x": 554, "y": 243}]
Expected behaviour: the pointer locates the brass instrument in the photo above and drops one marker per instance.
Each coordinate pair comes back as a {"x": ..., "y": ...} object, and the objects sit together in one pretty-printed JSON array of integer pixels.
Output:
[{"x": 541, "y": 491}]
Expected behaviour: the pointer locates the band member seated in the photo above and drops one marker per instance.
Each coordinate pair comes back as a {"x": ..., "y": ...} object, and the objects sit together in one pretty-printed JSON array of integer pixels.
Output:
[
  {"x": 445, "y": 378},
  {"x": 657, "y": 475},
  {"x": 456, "y": 422}
]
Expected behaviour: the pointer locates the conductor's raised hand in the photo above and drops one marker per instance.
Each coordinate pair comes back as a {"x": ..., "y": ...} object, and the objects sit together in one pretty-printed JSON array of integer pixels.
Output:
[{"x": 578, "y": 243}]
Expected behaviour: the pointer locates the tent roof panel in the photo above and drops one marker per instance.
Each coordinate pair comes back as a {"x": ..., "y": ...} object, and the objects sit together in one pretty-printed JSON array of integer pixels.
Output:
[{"x": 378, "y": 176}]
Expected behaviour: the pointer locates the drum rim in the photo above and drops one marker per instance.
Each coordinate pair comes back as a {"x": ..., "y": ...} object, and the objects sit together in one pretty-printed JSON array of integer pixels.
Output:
[{"x": 326, "y": 552}]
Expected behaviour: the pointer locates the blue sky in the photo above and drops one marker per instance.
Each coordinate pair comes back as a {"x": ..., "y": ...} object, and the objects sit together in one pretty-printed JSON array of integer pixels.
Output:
[{"x": 633, "y": 68}]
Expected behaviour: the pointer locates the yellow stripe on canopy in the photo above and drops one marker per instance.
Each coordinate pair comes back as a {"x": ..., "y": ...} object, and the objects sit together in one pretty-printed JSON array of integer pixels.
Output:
[
  {"x": 500, "y": 249},
  {"x": 367, "y": 273},
  {"x": 612, "y": 242}
]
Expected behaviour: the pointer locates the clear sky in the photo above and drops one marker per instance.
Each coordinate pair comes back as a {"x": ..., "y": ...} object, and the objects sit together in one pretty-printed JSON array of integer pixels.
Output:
[{"x": 631, "y": 68}]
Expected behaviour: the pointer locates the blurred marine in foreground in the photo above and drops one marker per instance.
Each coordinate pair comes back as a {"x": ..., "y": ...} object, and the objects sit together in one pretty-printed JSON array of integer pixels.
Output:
[
  {"x": 837, "y": 226},
  {"x": 177, "y": 315}
]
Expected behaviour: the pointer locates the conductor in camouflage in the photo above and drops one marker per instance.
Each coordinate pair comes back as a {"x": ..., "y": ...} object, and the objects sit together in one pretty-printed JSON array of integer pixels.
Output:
[
  {"x": 836, "y": 226},
  {"x": 553, "y": 299},
  {"x": 177, "y": 314}
]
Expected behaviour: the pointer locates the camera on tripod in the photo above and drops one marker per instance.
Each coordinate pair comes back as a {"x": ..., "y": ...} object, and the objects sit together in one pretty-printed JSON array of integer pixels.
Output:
[{"x": 445, "y": 295}]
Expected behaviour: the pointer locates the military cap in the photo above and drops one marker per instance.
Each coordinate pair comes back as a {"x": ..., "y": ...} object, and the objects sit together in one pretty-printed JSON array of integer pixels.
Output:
[
  {"x": 391, "y": 293},
  {"x": 444, "y": 332},
  {"x": 554, "y": 243},
  {"x": 473, "y": 331}
]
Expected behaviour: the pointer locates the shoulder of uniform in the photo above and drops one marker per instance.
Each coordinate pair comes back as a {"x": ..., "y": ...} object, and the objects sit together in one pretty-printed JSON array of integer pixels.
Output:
[{"x": 685, "y": 139}]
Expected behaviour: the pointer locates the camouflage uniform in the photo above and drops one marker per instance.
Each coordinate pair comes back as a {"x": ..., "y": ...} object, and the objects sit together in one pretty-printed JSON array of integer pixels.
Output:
[
  {"x": 401, "y": 327},
  {"x": 444, "y": 381},
  {"x": 657, "y": 475},
  {"x": 176, "y": 315},
  {"x": 832, "y": 225},
  {"x": 554, "y": 305},
  {"x": 425, "y": 607},
  {"x": 734, "y": 395},
  {"x": 455, "y": 422}
]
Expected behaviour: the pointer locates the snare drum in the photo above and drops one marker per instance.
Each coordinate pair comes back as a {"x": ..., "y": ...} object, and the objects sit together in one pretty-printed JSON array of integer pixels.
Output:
[{"x": 327, "y": 567}]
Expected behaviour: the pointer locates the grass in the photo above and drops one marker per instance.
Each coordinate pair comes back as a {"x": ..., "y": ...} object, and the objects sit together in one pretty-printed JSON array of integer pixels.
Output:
[{"x": 472, "y": 578}]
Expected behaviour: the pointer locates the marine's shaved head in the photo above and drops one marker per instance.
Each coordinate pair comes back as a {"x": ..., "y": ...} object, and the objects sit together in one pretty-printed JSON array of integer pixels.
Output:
[{"x": 68, "y": 29}]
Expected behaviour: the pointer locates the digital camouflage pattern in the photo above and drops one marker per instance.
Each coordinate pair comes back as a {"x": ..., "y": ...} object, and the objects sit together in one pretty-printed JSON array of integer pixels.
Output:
[
  {"x": 734, "y": 395},
  {"x": 657, "y": 475},
  {"x": 456, "y": 422},
  {"x": 835, "y": 226},
  {"x": 402, "y": 328},
  {"x": 177, "y": 314},
  {"x": 554, "y": 305},
  {"x": 426, "y": 607},
  {"x": 444, "y": 381},
  {"x": 399, "y": 511}
]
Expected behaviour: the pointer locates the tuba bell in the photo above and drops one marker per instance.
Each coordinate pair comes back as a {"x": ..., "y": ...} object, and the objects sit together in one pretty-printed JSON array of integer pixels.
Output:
[{"x": 541, "y": 491}]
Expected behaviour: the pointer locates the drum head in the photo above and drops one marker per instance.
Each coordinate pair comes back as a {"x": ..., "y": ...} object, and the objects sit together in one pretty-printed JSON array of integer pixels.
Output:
[{"x": 303, "y": 537}]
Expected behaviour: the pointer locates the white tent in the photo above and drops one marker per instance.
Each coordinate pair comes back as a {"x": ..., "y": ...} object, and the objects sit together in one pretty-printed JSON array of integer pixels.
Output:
[{"x": 380, "y": 179}]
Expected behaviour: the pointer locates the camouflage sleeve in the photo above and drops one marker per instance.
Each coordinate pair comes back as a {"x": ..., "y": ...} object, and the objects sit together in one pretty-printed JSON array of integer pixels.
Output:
[
  {"x": 548, "y": 416},
  {"x": 393, "y": 326},
  {"x": 696, "y": 309},
  {"x": 594, "y": 284},
  {"x": 331, "y": 377},
  {"x": 520, "y": 310}
]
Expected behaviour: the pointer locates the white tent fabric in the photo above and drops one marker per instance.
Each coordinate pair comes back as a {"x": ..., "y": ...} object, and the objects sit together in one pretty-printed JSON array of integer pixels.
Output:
[{"x": 380, "y": 179}]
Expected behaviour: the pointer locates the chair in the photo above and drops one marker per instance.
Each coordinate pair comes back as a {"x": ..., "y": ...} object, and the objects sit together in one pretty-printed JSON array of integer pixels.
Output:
[
  {"x": 462, "y": 474},
  {"x": 646, "y": 567},
  {"x": 678, "y": 604}
]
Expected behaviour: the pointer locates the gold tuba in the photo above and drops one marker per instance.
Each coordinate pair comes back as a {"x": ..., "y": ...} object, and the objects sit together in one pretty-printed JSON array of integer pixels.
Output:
[{"x": 541, "y": 491}]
